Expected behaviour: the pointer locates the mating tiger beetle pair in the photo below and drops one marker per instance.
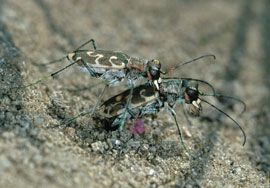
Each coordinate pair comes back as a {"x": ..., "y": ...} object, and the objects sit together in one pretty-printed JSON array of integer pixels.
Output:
[{"x": 138, "y": 101}]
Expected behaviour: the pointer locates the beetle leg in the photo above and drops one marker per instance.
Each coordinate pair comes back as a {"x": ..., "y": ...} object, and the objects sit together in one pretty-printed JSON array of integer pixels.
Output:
[{"x": 87, "y": 42}]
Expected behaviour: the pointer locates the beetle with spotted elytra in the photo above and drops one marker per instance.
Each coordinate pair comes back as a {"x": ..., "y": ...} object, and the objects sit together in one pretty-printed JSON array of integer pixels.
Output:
[
  {"x": 114, "y": 67},
  {"x": 146, "y": 100},
  {"x": 110, "y": 66}
]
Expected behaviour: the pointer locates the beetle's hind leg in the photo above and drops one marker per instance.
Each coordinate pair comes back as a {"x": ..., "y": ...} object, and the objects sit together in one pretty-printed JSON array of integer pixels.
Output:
[
  {"x": 87, "y": 42},
  {"x": 76, "y": 49},
  {"x": 89, "y": 112}
]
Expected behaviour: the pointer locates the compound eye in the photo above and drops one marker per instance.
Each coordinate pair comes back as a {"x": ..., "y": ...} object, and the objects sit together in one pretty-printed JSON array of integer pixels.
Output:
[
  {"x": 193, "y": 94},
  {"x": 155, "y": 73},
  {"x": 156, "y": 63}
]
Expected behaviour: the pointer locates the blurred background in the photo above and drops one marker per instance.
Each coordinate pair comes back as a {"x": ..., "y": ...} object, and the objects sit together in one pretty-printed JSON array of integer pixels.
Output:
[{"x": 35, "y": 32}]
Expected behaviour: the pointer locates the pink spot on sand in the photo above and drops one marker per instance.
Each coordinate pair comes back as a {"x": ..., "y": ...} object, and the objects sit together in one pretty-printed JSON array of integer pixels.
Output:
[{"x": 138, "y": 127}]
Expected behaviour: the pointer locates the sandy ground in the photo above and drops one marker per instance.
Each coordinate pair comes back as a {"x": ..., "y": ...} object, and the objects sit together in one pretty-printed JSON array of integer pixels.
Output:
[{"x": 78, "y": 155}]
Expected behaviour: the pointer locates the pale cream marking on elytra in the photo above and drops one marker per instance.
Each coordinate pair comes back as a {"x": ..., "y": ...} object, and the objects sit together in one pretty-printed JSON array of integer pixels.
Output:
[
  {"x": 112, "y": 57},
  {"x": 108, "y": 67},
  {"x": 114, "y": 65},
  {"x": 122, "y": 66},
  {"x": 70, "y": 56},
  {"x": 98, "y": 65},
  {"x": 105, "y": 115},
  {"x": 146, "y": 100},
  {"x": 118, "y": 98},
  {"x": 98, "y": 56},
  {"x": 89, "y": 53},
  {"x": 78, "y": 58}
]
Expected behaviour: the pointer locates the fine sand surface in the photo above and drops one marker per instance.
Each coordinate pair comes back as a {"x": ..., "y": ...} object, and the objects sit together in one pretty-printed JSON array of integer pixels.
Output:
[{"x": 33, "y": 154}]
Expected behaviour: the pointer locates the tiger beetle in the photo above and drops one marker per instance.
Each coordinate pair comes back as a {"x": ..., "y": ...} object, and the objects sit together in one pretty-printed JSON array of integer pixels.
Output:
[
  {"x": 113, "y": 67},
  {"x": 147, "y": 100}
]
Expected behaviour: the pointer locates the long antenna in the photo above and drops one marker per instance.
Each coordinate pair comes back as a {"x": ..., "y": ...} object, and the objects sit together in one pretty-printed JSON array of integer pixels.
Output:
[
  {"x": 68, "y": 121},
  {"x": 190, "y": 61},
  {"x": 87, "y": 42},
  {"x": 228, "y": 97},
  {"x": 92, "y": 111},
  {"x": 243, "y": 132}
]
